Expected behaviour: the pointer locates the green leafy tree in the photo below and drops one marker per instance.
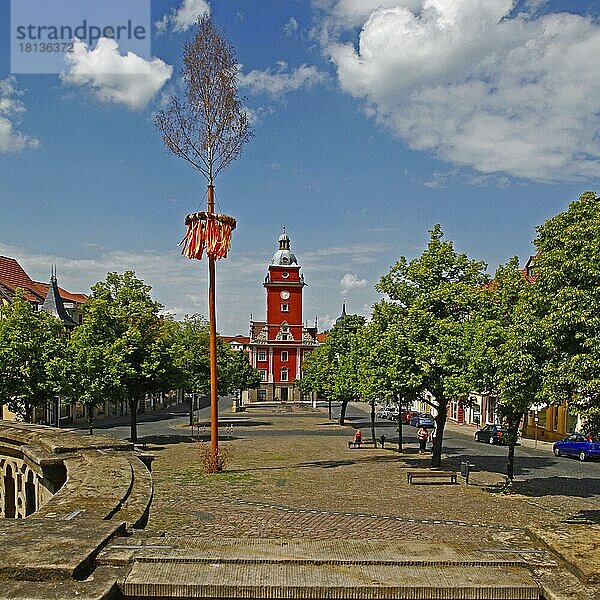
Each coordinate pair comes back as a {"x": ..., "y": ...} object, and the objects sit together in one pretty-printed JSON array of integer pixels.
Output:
[
  {"x": 386, "y": 365},
  {"x": 190, "y": 351},
  {"x": 240, "y": 374},
  {"x": 332, "y": 368},
  {"x": 32, "y": 349},
  {"x": 122, "y": 322},
  {"x": 568, "y": 299},
  {"x": 506, "y": 351},
  {"x": 438, "y": 293},
  {"x": 92, "y": 369}
]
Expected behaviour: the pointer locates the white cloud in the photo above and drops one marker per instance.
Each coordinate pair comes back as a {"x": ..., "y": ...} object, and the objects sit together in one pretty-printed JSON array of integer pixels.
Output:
[
  {"x": 291, "y": 26},
  {"x": 350, "y": 282},
  {"x": 517, "y": 95},
  {"x": 281, "y": 80},
  {"x": 11, "y": 107},
  {"x": 181, "y": 284},
  {"x": 351, "y": 13},
  {"x": 129, "y": 80},
  {"x": 184, "y": 17}
]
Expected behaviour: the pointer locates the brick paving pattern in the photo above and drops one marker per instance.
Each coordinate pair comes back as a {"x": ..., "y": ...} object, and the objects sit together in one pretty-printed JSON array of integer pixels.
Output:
[{"x": 292, "y": 475}]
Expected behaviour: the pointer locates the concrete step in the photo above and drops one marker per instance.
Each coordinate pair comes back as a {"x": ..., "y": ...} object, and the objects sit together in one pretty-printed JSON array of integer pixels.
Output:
[
  {"x": 142, "y": 548},
  {"x": 197, "y": 567},
  {"x": 187, "y": 580}
]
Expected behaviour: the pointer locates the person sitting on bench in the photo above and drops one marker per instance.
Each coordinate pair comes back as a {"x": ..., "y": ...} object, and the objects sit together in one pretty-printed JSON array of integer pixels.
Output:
[{"x": 358, "y": 437}]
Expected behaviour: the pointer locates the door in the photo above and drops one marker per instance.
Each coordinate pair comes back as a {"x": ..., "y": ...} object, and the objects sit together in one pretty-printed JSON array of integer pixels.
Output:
[{"x": 284, "y": 394}]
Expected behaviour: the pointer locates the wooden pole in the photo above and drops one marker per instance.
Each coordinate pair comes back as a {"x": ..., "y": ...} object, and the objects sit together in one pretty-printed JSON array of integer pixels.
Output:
[{"x": 212, "y": 319}]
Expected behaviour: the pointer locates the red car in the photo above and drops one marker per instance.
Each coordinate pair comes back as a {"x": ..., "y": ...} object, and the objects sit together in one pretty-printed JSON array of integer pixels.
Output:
[{"x": 408, "y": 415}]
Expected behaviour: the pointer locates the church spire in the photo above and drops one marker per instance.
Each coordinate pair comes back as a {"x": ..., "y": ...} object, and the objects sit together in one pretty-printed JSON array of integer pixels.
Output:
[{"x": 53, "y": 303}]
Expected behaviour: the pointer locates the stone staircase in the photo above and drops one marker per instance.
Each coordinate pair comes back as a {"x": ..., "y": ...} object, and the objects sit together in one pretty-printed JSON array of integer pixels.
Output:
[{"x": 186, "y": 568}]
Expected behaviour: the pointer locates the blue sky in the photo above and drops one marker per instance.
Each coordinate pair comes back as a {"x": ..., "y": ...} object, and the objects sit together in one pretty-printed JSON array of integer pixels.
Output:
[{"x": 374, "y": 120}]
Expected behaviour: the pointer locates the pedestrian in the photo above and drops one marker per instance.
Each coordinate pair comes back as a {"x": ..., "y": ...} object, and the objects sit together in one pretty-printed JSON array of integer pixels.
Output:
[
  {"x": 358, "y": 437},
  {"x": 423, "y": 437}
]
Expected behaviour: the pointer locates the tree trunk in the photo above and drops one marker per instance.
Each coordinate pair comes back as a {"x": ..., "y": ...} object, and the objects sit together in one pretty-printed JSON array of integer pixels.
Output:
[
  {"x": 440, "y": 421},
  {"x": 133, "y": 406},
  {"x": 28, "y": 412},
  {"x": 343, "y": 411},
  {"x": 373, "y": 420},
  {"x": 91, "y": 418},
  {"x": 510, "y": 465},
  {"x": 329, "y": 403}
]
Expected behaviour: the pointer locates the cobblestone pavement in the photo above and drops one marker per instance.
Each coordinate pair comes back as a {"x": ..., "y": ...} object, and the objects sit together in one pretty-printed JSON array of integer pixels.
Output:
[{"x": 291, "y": 474}]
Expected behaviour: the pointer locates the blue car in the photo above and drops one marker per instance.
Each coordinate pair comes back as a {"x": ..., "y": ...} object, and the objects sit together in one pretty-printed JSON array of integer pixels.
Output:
[
  {"x": 577, "y": 444},
  {"x": 423, "y": 420}
]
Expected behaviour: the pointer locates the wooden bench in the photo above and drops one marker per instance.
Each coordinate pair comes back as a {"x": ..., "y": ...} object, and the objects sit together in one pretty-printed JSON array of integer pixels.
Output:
[
  {"x": 423, "y": 474},
  {"x": 364, "y": 443}
]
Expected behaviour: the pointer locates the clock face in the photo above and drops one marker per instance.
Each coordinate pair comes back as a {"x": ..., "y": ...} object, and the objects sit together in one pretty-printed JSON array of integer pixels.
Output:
[{"x": 284, "y": 295}]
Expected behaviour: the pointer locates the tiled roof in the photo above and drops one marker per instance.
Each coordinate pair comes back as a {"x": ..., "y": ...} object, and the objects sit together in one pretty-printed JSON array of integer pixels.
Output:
[
  {"x": 12, "y": 273},
  {"x": 13, "y": 276},
  {"x": 42, "y": 288},
  {"x": 240, "y": 339}
]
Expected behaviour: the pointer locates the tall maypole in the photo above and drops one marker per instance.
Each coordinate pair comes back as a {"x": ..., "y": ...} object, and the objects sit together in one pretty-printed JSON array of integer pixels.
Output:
[{"x": 208, "y": 128}]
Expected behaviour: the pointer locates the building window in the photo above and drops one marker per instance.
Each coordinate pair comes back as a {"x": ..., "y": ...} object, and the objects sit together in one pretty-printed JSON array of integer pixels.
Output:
[
  {"x": 285, "y": 307},
  {"x": 262, "y": 355},
  {"x": 286, "y": 336},
  {"x": 284, "y": 374},
  {"x": 263, "y": 374},
  {"x": 284, "y": 356},
  {"x": 262, "y": 395},
  {"x": 530, "y": 272}
]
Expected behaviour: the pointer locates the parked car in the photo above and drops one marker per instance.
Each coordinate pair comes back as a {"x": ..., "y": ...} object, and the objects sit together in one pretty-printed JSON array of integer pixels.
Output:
[
  {"x": 384, "y": 412},
  {"x": 408, "y": 415},
  {"x": 492, "y": 434},
  {"x": 393, "y": 414},
  {"x": 577, "y": 444},
  {"x": 423, "y": 420}
]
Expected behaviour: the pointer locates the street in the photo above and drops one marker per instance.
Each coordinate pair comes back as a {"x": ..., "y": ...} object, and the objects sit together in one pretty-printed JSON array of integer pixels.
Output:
[{"x": 533, "y": 465}]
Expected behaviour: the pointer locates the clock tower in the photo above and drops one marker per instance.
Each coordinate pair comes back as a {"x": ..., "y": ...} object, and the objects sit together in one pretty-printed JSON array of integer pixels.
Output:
[{"x": 279, "y": 344}]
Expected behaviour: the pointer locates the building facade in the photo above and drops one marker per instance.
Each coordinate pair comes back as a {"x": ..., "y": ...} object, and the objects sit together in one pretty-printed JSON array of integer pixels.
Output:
[{"x": 278, "y": 345}]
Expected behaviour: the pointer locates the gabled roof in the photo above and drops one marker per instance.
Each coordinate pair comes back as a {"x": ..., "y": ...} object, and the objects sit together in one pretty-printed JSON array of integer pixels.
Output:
[{"x": 529, "y": 270}]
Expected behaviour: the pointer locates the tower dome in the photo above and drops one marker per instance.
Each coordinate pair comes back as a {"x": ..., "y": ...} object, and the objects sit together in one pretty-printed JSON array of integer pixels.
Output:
[{"x": 284, "y": 257}]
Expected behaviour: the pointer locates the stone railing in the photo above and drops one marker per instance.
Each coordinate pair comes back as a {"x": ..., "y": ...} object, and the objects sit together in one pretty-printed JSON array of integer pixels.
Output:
[{"x": 52, "y": 473}]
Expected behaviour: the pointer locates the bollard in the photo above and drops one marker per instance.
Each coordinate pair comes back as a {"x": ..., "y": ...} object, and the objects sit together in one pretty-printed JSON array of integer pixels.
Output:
[{"x": 465, "y": 470}]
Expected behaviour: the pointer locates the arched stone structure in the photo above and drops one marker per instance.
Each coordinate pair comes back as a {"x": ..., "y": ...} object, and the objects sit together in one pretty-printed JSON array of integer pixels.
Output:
[{"x": 22, "y": 489}]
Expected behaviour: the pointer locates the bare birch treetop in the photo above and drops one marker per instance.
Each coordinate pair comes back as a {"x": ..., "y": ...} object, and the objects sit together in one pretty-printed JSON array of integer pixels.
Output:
[{"x": 209, "y": 126}]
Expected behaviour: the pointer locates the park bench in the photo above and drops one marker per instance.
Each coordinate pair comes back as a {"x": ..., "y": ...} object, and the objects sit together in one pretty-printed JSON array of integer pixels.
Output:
[
  {"x": 364, "y": 443},
  {"x": 426, "y": 474}
]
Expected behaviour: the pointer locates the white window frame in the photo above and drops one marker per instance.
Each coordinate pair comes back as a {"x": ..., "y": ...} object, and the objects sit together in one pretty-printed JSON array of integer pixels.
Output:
[
  {"x": 263, "y": 374},
  {"x": 262, "y": 356},
  {"x": 284, "y": 356},
  {"x": 284, "y": 374},
  {"x": 285, "y": 307}
]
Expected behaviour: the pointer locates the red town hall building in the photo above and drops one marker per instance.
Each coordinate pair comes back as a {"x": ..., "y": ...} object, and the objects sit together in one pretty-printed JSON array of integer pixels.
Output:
[{"x": 278, "y": 345}]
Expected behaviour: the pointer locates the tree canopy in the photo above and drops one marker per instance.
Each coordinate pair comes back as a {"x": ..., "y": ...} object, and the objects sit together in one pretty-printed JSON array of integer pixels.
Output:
[
  {"x": 436, "y": 294},
  {"x": 567, "y": 268},
  {"x": 32, "y": 348}
]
